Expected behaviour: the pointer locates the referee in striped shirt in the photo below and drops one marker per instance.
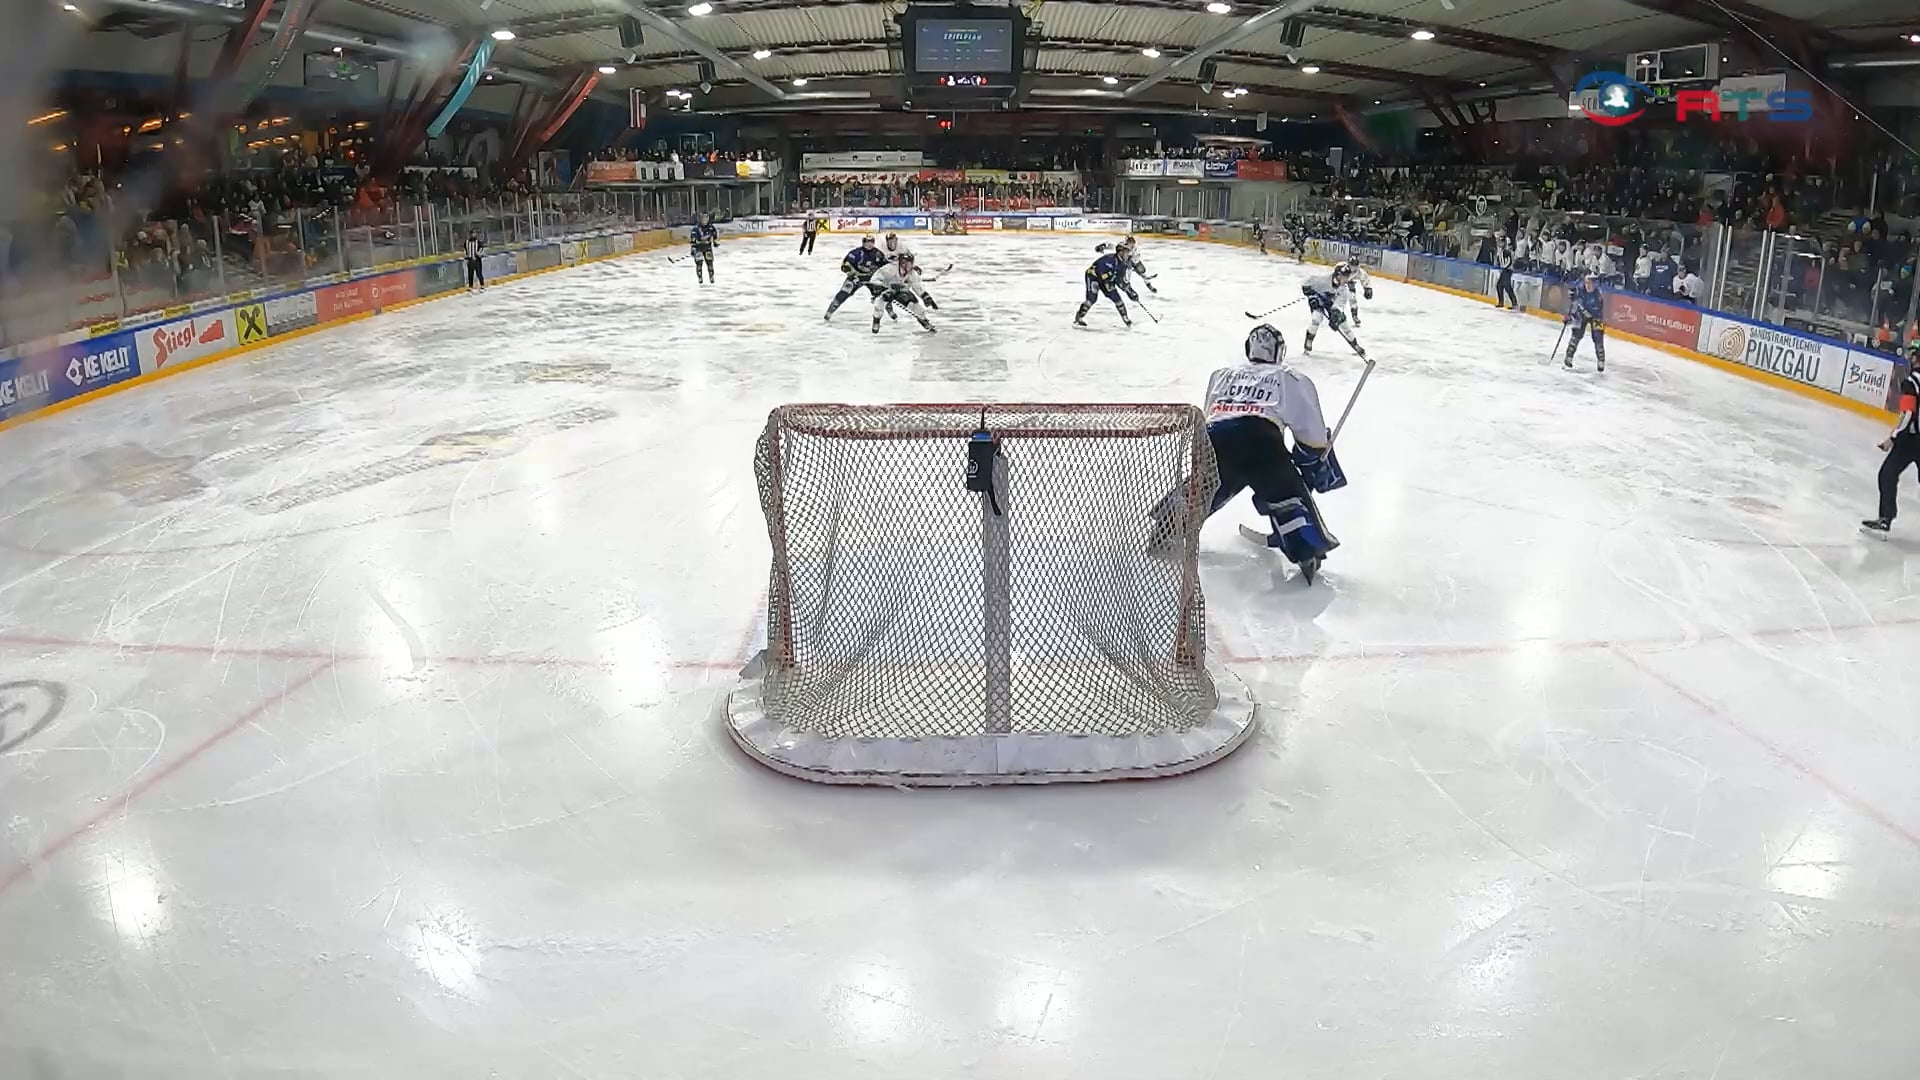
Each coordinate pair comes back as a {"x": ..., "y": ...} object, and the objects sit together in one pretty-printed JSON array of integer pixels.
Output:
[
  {"x": 475, "y": 246},
  {"x": 1903, "y": 446}
]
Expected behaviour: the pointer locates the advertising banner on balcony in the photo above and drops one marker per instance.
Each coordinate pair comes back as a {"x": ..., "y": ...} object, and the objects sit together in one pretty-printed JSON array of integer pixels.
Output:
[
  {"x": 1218, "y": 170},
  {"x": 852, "y": 160},
  {"x": 1143, "y": 167},
  {"x": 1192, "y": 168},
  {"x": 1804, "y": 360},
  {"x": 612, "y": 172},
  {"x": 1248, "y": 169}
]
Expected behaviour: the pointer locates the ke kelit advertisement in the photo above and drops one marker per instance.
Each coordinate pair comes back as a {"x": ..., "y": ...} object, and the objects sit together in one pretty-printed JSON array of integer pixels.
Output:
[
  {"x": 176, "y": 342},
  {"x": 33, "y": 382},
  {"x": 1804, "y": 360},
  {"x": 1869, "y": 379},
  {"x": 299, "y": 310},
  {"x": 1673, "y": 324}
]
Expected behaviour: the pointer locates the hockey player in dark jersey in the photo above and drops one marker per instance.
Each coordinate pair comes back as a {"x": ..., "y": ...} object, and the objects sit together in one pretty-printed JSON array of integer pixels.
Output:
[
  {"x": 701, "y": 239},
  {"x": 1585, "y": 305},
  {"x": 858, "y": 266},
  {"x": 1107, "y": 277}
]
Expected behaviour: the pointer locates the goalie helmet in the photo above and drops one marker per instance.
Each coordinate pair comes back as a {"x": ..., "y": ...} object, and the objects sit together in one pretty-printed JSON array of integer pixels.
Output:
[{"x": 1265, "y": 345}]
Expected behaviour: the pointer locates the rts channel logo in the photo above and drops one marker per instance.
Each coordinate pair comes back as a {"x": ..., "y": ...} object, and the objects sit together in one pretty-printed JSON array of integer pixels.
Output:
[{"x": 1612, "y": 99}]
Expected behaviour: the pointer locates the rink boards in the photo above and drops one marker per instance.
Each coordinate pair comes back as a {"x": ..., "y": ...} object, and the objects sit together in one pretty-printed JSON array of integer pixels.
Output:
[
  {"x": 59, "y": 372},
  {"x": 47, "y": 376}
]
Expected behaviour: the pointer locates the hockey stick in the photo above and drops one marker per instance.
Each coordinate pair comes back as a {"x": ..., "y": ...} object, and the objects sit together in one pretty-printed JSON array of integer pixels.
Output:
[
  {"x": 1348, "y": 411},
  {"x": 1270, "y": 311},
  {"x": 1557, "y": 338},
  {"x": 1141, "y": 304}
]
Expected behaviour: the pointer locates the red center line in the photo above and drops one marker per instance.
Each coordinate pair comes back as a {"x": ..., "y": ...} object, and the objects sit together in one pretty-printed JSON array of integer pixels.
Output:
[
  {"x": 121, "y": 803},
  {"x": 1443, "y": 650},
  {"x": 1857, "y": 803}
]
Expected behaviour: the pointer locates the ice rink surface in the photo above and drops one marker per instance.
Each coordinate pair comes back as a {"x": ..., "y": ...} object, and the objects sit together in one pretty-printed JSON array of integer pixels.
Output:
[{"x": 360, "y": 716}]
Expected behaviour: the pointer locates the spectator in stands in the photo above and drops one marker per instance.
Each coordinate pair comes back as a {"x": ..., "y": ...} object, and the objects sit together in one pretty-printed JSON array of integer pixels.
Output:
[{"x": 1689, "y": 287}]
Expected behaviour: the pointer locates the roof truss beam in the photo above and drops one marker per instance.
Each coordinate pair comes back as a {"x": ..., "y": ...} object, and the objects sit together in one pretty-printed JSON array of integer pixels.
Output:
[
  {"x": 1806, "y": 42},
  {"x": 1388, "y": 26}
]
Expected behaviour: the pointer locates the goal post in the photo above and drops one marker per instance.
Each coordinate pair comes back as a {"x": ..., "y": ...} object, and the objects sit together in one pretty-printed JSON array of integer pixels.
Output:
[{"x": 985, "y": 594}]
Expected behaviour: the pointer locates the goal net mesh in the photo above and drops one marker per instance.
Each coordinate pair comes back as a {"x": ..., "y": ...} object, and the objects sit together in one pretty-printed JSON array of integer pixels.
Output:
[{"x": 902, "y": 605}]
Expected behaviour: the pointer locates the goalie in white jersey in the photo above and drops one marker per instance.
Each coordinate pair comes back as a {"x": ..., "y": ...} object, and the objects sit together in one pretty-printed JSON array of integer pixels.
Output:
[
  {"x": 898, "y": 284},
  {"x": 1250, "y": 409}
]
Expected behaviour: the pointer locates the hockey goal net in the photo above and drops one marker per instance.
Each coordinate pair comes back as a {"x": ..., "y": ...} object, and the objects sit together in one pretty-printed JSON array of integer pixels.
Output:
[
  {"x": 949, "y": 225},
  {"x": 967, "y": 594}
]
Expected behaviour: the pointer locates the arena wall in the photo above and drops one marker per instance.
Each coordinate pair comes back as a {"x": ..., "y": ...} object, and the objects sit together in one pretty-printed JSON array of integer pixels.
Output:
[{"x": 56, "y": 374}]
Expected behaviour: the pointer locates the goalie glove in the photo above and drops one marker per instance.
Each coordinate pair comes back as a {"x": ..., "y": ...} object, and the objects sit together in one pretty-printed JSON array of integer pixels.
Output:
[
  {"x": 1368, "y": 292},
  {"x": 1321, "y": 470}
]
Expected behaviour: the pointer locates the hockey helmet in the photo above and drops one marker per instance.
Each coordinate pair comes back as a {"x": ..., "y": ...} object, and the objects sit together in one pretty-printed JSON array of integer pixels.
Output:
[
  {"x": 1126, "y": 244},
  {"x": 1265, "y": 345},
  {"x": 893, "y": 241},
  {"x": 866, "y": 241},
  {"x": 905, "y": 261}
]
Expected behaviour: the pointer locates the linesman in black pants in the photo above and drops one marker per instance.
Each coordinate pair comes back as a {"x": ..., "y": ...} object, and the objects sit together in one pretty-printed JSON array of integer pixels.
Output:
[
  {"x": 475, "y": 248},
  {"x": 809, "y": 232},
  {"x": 1903, "y": 446},
  {"x": 1503, "y": 293}
]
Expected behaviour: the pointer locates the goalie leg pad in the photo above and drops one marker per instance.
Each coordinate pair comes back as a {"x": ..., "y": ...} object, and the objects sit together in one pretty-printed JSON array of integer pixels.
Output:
[{"x": 1297, "y": 529}]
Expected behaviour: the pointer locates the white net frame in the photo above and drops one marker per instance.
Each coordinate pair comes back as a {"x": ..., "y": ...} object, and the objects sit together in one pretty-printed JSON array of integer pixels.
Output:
[{"x": 921, "y": 633}]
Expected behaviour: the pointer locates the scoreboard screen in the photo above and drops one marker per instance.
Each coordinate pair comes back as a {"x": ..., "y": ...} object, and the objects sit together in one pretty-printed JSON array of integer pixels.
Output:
[{"x": 963, "y": 45}]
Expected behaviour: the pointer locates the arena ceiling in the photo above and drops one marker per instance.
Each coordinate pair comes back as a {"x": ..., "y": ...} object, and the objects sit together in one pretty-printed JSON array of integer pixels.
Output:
[{"x": 847, "y": 50}]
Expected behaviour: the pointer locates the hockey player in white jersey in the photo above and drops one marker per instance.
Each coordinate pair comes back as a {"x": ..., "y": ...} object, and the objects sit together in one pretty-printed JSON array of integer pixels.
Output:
[
  {"x": 898, "y": 284},
  {"x": 1129, "y": 252},
  {"x": 1324, "y": 293},
  {"x": 895, "y": 248},
  {"x": 1251, "y": 407},
  {"x": 1358, "y": 285}
]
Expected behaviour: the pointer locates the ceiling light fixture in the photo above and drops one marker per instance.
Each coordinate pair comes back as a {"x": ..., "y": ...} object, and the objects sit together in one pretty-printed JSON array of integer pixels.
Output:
[
  {"x": 1110, "y": 80},
  {"x": 503, "y": 34},
  {"x": 1219, "y": 8},
  {"x": 607, "y": 69},
  {"x": 762, "y": 54},
  {"x": 700, "y": 9},
  {"x": 1310, "y": 69},
  {"x": 799, "y": 82},
  {"x": 1150, "y": 53},
  {"x": 1422, "y": 35},
  {"x": 1913, "y": 39}
]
